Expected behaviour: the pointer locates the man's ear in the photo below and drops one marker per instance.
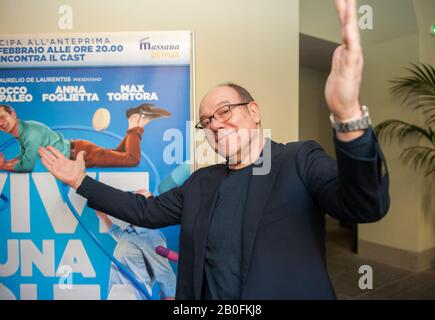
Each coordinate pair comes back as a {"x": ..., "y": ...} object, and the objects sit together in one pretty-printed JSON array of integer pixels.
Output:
[
  {"x": 14, "y": 114},
  {"x": 254, "y": 110}
]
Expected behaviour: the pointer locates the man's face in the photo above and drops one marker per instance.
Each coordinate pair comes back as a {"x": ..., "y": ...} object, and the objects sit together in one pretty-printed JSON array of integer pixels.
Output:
[
  {"x": 8, "y": 121},
  {"x": 230, "y": 137}
]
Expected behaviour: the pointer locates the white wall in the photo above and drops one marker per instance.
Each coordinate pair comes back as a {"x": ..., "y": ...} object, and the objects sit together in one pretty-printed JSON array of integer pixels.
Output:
[
  {"x": 400, "y": 227},
  {"x": 314, "y": 113},
  {"x": 425, "y": 11}
]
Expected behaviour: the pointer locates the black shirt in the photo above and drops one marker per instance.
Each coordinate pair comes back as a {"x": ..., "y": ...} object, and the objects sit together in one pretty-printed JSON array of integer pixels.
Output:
[{"x": 223, "y": 254}]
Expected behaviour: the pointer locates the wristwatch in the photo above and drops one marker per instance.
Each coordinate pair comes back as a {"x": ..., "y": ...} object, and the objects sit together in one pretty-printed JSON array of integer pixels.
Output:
[{"x": 361, "y": 123}]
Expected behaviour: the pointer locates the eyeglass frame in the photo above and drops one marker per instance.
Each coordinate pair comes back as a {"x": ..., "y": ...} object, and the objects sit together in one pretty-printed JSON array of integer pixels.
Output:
[{"x": 229, "y": 106}]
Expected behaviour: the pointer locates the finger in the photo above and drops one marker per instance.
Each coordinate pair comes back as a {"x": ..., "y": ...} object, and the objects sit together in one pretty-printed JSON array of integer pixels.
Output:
[
  {"x": 147, "y": 194},
  {"x": 352, "y": 38},
  {"x": 351, "y": 29},
  {"x": 337, "y": 59},
  {"x": 56, "y": 152},
  {"x": 81, "y": 156},
  {"x": 354, "y": 53},
  {"x": 47, "y": 164},
  {"x": 45, "y": 154},
  {"x": 340, "y": 7},
  {"x": 350, "y": 12}
]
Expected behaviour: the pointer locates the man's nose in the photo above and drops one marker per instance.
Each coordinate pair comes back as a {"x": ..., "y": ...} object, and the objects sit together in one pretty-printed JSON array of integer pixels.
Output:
[{"x": 215, "y": 125}]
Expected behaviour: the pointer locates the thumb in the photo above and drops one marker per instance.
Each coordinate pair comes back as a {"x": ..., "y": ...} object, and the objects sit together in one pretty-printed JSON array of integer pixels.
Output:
[{"x": 81, "y": 156}]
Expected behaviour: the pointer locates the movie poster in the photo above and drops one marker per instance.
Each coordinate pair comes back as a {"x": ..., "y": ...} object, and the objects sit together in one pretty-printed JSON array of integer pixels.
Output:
[{"x": 123, "y": 99}]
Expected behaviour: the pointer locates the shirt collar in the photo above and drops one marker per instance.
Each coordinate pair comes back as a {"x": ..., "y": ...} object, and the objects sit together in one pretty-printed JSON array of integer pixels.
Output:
[{"x": 130, "y": 228}]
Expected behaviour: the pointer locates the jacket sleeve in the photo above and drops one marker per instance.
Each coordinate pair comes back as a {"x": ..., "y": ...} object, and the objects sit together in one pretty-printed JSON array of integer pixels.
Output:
[
  {"x": 352, "y": 188},
  {"x": 152, "y": 212}
]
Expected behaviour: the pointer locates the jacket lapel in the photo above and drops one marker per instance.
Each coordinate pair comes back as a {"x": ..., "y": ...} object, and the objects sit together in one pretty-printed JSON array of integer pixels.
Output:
[
  {"x": 209, "y": 190},
  {"x": 259, "y": 192}
]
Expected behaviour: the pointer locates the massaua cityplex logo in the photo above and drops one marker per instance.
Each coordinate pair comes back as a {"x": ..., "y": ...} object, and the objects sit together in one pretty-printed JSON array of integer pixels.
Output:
[{"x": 160, "y": 49}]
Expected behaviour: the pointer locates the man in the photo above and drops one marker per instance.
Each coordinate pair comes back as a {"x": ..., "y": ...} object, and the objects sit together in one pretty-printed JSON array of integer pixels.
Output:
[
  {"x": 253, "y": 236},
  {"x": 136, "y": 249},
  {"x": 32, "y": 134}
]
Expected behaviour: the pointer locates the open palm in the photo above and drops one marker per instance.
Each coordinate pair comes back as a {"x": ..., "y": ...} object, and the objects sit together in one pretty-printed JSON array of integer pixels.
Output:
[
  {"x": 68, "y": 171},
  {"x": 343, "y": 84}
]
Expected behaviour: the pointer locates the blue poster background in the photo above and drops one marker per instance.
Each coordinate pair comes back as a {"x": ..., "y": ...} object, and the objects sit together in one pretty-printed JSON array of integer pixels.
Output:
[{"x": 172, "y": 85}]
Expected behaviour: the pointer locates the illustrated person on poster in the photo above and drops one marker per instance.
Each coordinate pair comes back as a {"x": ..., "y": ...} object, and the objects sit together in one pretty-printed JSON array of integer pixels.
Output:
[
  {"x": 136, "y": 250},
  {"x": 32, "y": 134}
]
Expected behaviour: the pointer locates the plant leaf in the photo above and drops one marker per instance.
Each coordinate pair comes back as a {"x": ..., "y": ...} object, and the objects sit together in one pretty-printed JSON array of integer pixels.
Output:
[
  {"x": 390, "y": 129},
  {"x": 420, "y": 158}
]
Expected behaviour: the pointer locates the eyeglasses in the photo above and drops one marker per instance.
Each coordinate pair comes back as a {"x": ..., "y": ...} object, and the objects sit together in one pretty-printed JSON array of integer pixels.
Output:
[{"x": 222, "y": 114}]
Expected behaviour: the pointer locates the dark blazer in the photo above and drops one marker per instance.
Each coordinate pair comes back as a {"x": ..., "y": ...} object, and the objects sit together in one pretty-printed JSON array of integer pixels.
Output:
[{"x": 284, "y": 222}]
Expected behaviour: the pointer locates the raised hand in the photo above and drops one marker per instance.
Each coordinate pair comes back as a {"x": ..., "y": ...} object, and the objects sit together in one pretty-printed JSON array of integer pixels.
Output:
[
  {"x": 343, "y": 84},
  {"x": 71, "y": 172}
]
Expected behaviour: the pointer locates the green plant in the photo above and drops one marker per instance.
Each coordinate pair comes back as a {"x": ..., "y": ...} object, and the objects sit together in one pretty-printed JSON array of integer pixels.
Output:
[{"x": 416, "y": 91}]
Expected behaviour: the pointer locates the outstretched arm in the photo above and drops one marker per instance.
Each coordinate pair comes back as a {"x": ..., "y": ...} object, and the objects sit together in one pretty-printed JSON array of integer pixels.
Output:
[
  {"x": 158, "y": 212},
  {"x": 7, "y": 165},
  {"x": 106, "y": 220}
]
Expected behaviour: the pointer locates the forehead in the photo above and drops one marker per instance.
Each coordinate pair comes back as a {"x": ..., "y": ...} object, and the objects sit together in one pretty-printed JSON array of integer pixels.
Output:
[
  {"x": 218, "y": 97},
  {"x": 3, "y": 112}
]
